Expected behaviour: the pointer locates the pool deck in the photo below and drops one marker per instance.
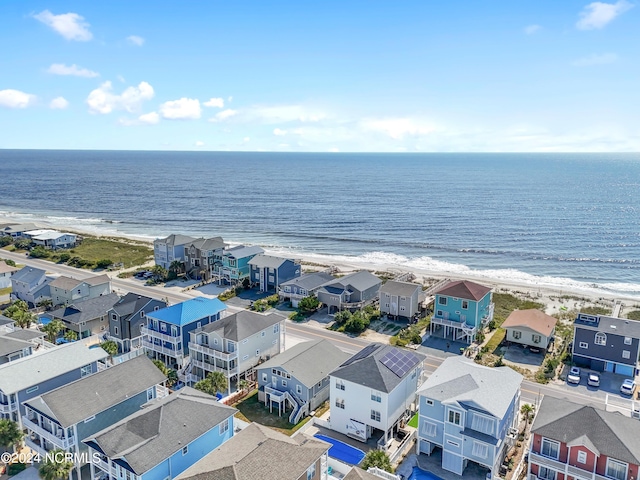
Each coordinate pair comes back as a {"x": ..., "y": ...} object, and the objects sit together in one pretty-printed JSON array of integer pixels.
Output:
[{"x": 433, "y": 464}]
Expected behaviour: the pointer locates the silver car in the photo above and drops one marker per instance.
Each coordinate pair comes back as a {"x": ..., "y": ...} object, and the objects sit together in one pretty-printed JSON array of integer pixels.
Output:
[
  {"x": 593, "y": 380},
  {"x": 574, "y": 375}
]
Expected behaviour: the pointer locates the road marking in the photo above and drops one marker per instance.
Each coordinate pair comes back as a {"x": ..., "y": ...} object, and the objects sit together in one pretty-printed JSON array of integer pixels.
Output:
[{"x": 319, "y": 334}]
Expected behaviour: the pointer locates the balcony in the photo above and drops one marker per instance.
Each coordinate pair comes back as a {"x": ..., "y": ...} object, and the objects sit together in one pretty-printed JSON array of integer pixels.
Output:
[
  {"x": 177, "y": 354},
  {"x": 214, "y": 368},
  {"x": 63, "y": 443},
  {"x": 162, "y": 336},
  {"x": 12, "y": 407},
  {"x": 226, "y": 357},
  {"x": 564, "y": 467}
]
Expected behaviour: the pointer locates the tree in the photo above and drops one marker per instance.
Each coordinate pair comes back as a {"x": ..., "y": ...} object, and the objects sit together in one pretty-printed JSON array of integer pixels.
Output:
[
  {"x": 172, "y": 377},
  {"x": 243, "y": 384},
  {"x": 4, "y": 241},
  {"x": 10, "y": 433},
  {"x": 309, "y": 304},
  {"x": 176, "y": 267},
  {"x": 358, "y": 322},
  {"x": 159, "y": 272},
  {"x": 214, "y": 383},
  {"x": 70, "y": 335},
  {"x": 55, "y": 467},
  {"x": 64, "y": 257},
  {"x": 162, "y": 367},
  {"x": 110, "y": 347},
  {"x": 24, "y": 319},
  {"x": 342, "y": 317},
  {"x": 377, "y": 458},
  {"x": 22, "y": 244},
  {"x": 104, "y": 263},
  {"x": 527, "y": 412},
  {"x": 8, "y": 261},
  {"x": 52, "y": 329},
  {"x": 39, "y": 252},
  {"x": 17, "y": 307}
]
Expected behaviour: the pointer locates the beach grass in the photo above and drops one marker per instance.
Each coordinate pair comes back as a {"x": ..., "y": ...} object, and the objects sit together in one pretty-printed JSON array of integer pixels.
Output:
[
  {"x": 505, "y": 303},
  {"x": 251, "y": 410},
  {"x": 634, "y": 315},
  {"x": 94, "y": 249}
]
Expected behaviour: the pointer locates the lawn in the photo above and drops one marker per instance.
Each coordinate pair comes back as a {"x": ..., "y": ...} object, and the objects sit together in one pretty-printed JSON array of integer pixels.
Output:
[
  {"x": 93, "y": 249},
  {"x": 5, "y": 291},
  {"x": 414, "y": 421},
  {"x": 250, "y": 410},
  {"x": 496, "y": 339}
]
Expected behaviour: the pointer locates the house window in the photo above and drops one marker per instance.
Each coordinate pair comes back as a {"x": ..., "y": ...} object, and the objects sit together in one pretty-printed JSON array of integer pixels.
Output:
[
  {"x": 174, "y": 331},
  {"x": 114, "y": 316},
  {"x": 257, "y": 353},
  {"x": 163, "y": 327},
  {"x": 517, "y": 335},
  {"x": 276, "y": 328},
  {"x": 115, "y": 330},
  {"x": 584, "y": 345},
  {"x": 93, "y": 417},
  {"x": 185, "y": 449},
  {"x": 224, "y": 427},
  {"x": 245, "y": 357},
  {"x": 32, "y": 389},
  {"x": 284, "y": 382},
  {"x": 429, "y": 402},
  {"x": 442, "y": 300},
  {"x": 376, "y": 396},
  {"x": 339, "y": 384},
  {"x": 600, "y": 338},
  {"x": 439, "y": 313},
  {"x": 299, "y": 389},
  {"x": 311, "y": 472},
  {"x": 149, "y": 394},
  {"x": 375, "y": 415},
  {"x": 627, "y": 340},
  {"x": 550, "y": 448},
  {"x": 264, "y": 377},
  {"x": 582, "y": 457},
  {"x": 215, "y": 341},
  {"x": 402, "y": 309},
  {"x": 482, "y": 424},
  {"x": 536, "y": 338},
  {"x": 287, "y": 289},
  {"x": 86, "y": 370},
  {"x": 262, "y": 334},
  {"x": 480, "y": 450},
  {"x": 546, "y": 473},
  {"x": 465, "y": 304},
  {"x": 340, "y": 403},
  {"x": 454, "y": 417},
  {"x": 616, "y": 469},
  {"x": 429, "y": 428},
  {"x": 454, "y": 444},
  {"x": 626, "y": 354}
]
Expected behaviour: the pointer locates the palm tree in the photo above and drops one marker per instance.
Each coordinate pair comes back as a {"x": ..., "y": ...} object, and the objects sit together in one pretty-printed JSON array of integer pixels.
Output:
[
  {"x": 214, "y": 383},
  {"x": 55, "y": 467},
  {"x": 110, "y": 347},
  {"x": 10, "y": 433},
  {"x": 52, "y": 329},
  {"x": 162, "y": 367},
  {"x": 176, "y": 266},
  {"x": 243, "y": 384},
  {"x": 70, "y": 335},
  {"x": 377, "y": 458},
  {"x": 527, "y": 412},
  {"x": 159, "y": 271},
  {"x": 24, "y": 319}
]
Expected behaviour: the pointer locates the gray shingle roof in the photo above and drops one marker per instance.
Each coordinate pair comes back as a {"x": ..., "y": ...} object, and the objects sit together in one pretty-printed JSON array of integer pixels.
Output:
[
  {"x": 242, "y": 251},
  {"x": 242, "y": 325},
  {"x": 612, "y": 433},
  {"x": 460, "y": 380},
  {"x": 213, "y": 243},
  {"x": 35, "y": 369},
  {"x": 309, "y": 362},
  {"x": 310, "y": 281},
  {"x": 365, "y": 368},
  {"x": 162, "y": 428},
  {"x": 28, "y": 274},
  {"x": 11, "y": 345},
  {"x": 97, "y": 279},
  {"x": 404, "y": 289},
  {"x": 361, "y": 281},
  {"x": 247, "y": 455},
  {"x": 613, "y": 325},
  {"x": 66, "y": 283},
  {"x": 86, "y": 310},
  {"x": 356, "y": 473},
  {"x": 131, "y": 303},
  {"x": 176, "y": 239},
  {"x": 91, "y": 395},
  {"x": 6, "y": 320},
  {"x": 268, "y": 261},
  {"x": 26, "y": 334},
  {"x": 464, "y": 289}
]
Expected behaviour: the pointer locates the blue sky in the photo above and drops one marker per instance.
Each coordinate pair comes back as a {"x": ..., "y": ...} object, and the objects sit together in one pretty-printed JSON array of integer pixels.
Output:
[{"x": 416, "y": 76}]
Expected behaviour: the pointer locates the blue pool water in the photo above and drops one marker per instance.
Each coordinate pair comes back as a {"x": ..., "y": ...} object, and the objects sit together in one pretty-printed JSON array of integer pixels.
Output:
[
  {"x": 342, "y": 451},
  {"x": 419, "y": 474}
]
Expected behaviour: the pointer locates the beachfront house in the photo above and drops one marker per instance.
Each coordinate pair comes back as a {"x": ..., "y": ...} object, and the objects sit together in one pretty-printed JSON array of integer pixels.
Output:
[
  {"x": 298, "y": 378},
  {"x": 200, "y": 256},
  {"x": 235, "y": 344},
  {"x": 85, "y": 317},
  {"x": 233, "y": 266},
  {"x": 400, "y": 299},
  {"x": 258, "y": 452},
  {"x": 61, "y": 418},
  {"x": 269, "y": 272},
  {"x": 303, "y": 286},
  {"x": 351, "y": 292},
  {"x": 572, "y": 442},
  {"x": 66, "y": 290},
  {"x": 531, "y": 327},
  {"x": 461, "y": 309},
  {"x": 469, "y": 413},
  {"x": 6, "y": 272},
  {"x": 18, "y": 229},
  {"x": 170, "y": 249},
  {"x": 163, "y": 439},
  {"x": 31, "y": 285},
  {"x": 53, "y": 240},
  {"x": 13, "y": 349},
  {"x": 606, "y": 344},
  {"x": 166, "y": 334},
  {"x": 128, "y": 316},
  {"x": 34, "y": 375},
  {"x": 374, "y": 391}
]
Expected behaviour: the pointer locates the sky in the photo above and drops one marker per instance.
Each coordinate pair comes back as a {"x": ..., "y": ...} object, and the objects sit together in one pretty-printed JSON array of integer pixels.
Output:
[{"x": 291, "y": 76}]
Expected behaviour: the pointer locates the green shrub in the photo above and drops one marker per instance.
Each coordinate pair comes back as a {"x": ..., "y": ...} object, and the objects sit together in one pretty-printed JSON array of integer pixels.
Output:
[
  {"x": 64, "y": 257},
  {"x": 358, "y": 323},
  {"x": 39, "y": 252},
  {"x": 5, "y": 240},
  {"x": 104, "y": 263},
  {"x": 9, "y": 262},
  {"x": 342, "y": 317},
  {"x": 22, "y": 244},
  {"x": 309, "y": 304}
]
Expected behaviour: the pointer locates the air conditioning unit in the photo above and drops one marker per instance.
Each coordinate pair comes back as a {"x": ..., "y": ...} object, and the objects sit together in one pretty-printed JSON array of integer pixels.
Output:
[{"x": 513, "y": 432}]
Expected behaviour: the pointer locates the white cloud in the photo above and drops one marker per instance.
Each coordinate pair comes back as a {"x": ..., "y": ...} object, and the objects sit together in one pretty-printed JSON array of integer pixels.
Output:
[
  {"x": 199, "y": 143},
  {"x": 595, "y": 59},
  {"x": 184, "y": 108},
  {"x": 279, "y": 132},
  {"x": 284, "y": 113},
  {"x": 74, "y": 70},
  {"x": 597, "y": 15},
  {"x": 103, "y": 100},
  {"x": 224, "y": 115},
  {"x": 246, "y": 139},
  {"x": 70, "y": 25},
  {"x": 16, "y": 99},
  {"x": 135, "y": 40},
  {"x": 398, "y": 128},
  {"x": 150, "y": 118},
  {"x": 531, "y": 29},
  {"x": 59, "y": 103},
  {"x": 215, "y": 102}
]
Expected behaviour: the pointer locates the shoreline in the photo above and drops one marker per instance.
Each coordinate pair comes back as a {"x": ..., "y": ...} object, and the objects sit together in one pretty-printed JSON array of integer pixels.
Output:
[{"x": 540, "y": 288}]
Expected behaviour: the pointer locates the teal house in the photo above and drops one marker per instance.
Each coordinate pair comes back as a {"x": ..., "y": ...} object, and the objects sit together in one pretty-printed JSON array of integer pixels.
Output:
[
  {"x": 461, "y": 309},
  {"x": 232, "y": 266}
]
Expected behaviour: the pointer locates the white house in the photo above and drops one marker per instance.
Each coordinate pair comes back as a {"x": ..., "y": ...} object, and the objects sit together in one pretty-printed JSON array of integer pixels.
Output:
[
  {"x": 6, "y": 271},
  {"x": 374, "y": 391},
  {"x": 399, "y": 299},
  {"x": 530, "y": 327},
  {"x": 53, "y": 240}
]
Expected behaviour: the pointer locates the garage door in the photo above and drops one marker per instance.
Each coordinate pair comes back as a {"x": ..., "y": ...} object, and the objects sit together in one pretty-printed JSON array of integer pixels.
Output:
[{"x": 627, "y": 370}]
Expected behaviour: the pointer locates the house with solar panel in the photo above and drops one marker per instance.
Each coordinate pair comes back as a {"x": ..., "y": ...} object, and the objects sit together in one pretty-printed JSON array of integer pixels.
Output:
[
  {"x": 469, "y": 413},
  {"x": 461, "y": 309},
  {"x": 374, "y": 392},
  {"x": 166, "y": 334}
]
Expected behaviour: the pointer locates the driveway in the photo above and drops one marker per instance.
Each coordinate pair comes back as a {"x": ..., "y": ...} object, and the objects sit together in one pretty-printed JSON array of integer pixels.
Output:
[
  {"x": 441, "y": 347},
  {"x": 609, "y": 386},
  {"x": 523, "y": 357}
]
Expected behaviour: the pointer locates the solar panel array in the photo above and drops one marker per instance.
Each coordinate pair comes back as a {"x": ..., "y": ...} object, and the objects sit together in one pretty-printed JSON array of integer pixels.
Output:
[
  {"x": 365, "y": 352},
  {"x": 399, "y": 362}
]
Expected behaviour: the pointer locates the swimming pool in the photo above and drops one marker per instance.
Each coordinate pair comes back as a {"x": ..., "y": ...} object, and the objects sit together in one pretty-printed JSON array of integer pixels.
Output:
[
  {"x": 342, "y": 451},
  {"x": 419, "y": 474}
]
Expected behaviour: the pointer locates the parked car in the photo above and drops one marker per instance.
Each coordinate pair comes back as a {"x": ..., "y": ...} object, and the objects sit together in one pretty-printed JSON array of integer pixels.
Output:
[
  {"x": 628, "y": 387},
  {"x": 574, "y": 375},
  {"x": 593, "y": 380},
  {"x": 534, "y": 349}
]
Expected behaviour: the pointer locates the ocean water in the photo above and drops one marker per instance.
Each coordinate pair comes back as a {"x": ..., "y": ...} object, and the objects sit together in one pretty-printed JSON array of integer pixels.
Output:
[{"x": 562, "y": 220}]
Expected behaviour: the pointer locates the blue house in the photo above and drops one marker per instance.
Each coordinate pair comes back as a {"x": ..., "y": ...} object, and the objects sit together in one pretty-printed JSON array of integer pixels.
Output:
[
  {"x": 470, "y": 413},
  {"x": 163, "y": 439},
  {"x": 170, "y": 249},
  {"x": 461, "y": 309},
  {"x": 232, "y": 266},
  {"x": 269, "y": 272},
  {"x": 166, "y": 335}
]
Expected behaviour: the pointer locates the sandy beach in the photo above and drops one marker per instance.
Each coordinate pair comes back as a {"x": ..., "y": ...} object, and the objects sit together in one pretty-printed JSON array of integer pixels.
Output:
[{"x": 555, "y": 299}]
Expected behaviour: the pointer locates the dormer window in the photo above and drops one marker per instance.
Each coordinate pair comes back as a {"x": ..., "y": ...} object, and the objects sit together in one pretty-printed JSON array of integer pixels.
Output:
[{"x": 600, "y": 339}]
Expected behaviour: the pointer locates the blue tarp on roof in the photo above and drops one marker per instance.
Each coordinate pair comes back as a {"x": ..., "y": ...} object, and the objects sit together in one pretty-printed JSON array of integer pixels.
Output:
[{"x": 189, "y": 311}]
